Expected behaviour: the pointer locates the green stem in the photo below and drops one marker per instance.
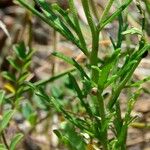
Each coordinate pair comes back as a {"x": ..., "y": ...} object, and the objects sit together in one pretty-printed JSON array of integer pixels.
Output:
[
  {"x": 118, "y": 119},
  {"x": 102, "y": 114},
  {"x": 88, "y": 15},
  {"x": 95, "y": 38},
  {"x": 94, "y": 57},
  {"x": 94, "y": 52}
]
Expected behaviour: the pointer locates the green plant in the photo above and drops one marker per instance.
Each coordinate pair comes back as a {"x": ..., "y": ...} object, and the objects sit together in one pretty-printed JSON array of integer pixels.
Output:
[
  {"x": 5, "y": 118},
  {"x": 16, "y": 78},
  {"x": 100, "y": 114}
]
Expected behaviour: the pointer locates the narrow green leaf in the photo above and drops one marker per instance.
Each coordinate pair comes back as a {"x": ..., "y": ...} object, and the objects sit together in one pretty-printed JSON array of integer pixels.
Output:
[
  {"x": 77, "y": 25},
  {"x": 27, "y": 64},
  {"x": 63, "y": 57},
  {"x": 80, "y": 123},
  {"x": 58, "y": 133},
  {"x": 114, "y": 15},
  {"x": 140, "y": 52},
  {"x": 64, "y": 138},
  {"x": 105, "y": 69},
  {"x": 20, "y": 50},
  {"x": 13, "y": 63},
  {"x": 23, "y": 77},
  {"x": 57, "y": 104},
  {"x": 52, "y": 79},
  {"x": 15, "y": 140},
  {"x": 113, "y": 42},
  {"x": 6, "y": 119},
  {"x": 81, "y": 70},
  {"x": 71, "y": 61},
  {"x": 59, "y": 108},
  {"x": 133, "y": 31},
  {"x": 89, "y": 17},
  {"x": 64, "y": 15},
  {"x": 56, "y": 20},
  {"x": 140, "y": 82},
  {"x": 122, "y": 27},
  {"x": 2, "y": 94},
  {"x": 9, "y": 76},
  {"x": 53, "y": 23},
  {"x": 75, "y": 85},
  {"x": 49, "y": 13},
  {"x": 76, "y": 142}
]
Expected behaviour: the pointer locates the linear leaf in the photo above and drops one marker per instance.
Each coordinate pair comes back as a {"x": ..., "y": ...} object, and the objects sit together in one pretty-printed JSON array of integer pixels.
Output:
[
  {"x": 76, "y": 86},
  {"x": 73, "y": 120},
  {"x": 133, "y": 31},
  {"x": 71, "y": 61},
  {"x": 13, "y": 63},
  {"x": 56, "y": 20},
  {"x": 64, "y": 15},
  {"x": 77, "y": 25},
  {"x": 6, "y": 118},
  {"x": 114, "y": 15},
  {"x": 2, "y": 94},
  {"x": 9, "y": 76},
  {"x": 16, "y": 139},
  {"x": 20, "y": 50},
  {"x": 79, "y": 93},
  {"x": 104, "y": 73}
]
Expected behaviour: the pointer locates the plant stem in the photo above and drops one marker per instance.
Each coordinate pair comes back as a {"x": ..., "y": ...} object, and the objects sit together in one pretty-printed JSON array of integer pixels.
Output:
[
  {"x": 88, "y": 15},
  {"x": 4, "y": 140},
  {"x": 95, "y": 36},
  {"x": 94, "y": 56},
  {"x": 103, "y": 119},
  {"x": 44, "y": 82},
  {"x": 118, "y": 122}
]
